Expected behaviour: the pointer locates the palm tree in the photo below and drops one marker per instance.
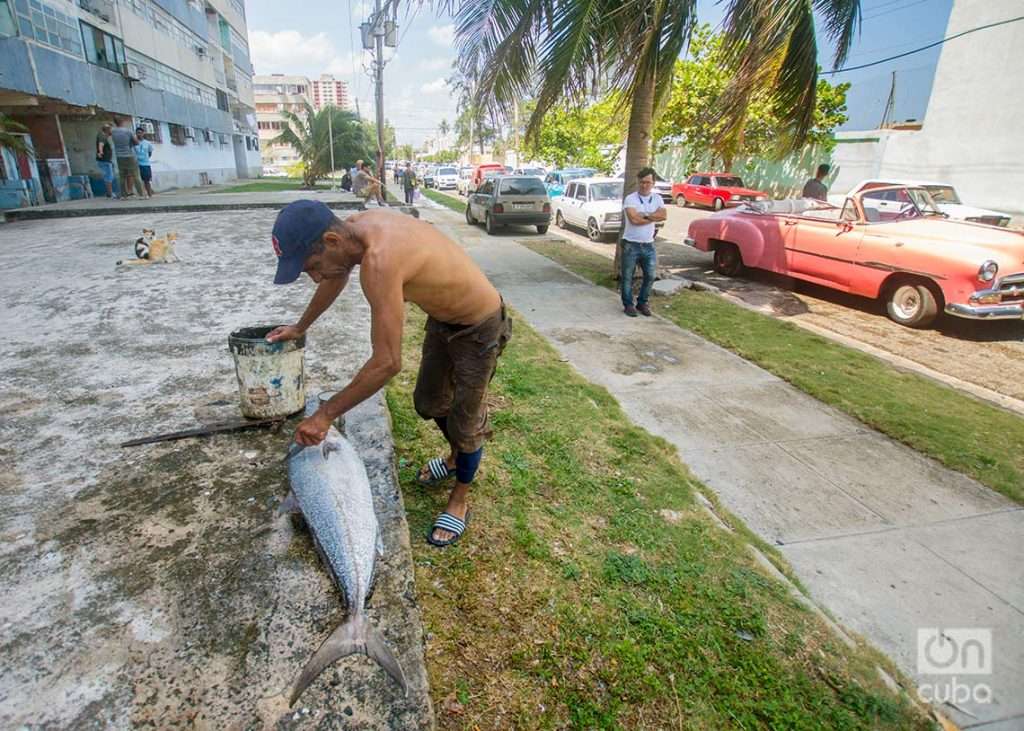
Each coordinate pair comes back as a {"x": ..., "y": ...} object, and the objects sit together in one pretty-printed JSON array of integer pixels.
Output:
[
  {"x": 310, "y": 132},
  {"x": 443, "y": 128},
  {"x": 556, "y": 49}
]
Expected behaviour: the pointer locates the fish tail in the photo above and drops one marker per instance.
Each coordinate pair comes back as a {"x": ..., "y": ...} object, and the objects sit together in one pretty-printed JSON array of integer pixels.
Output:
[{"x": 354, "y": 636}]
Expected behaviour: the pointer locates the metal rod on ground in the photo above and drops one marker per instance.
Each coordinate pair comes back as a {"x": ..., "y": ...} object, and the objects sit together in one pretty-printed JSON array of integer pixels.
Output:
[{"x": 231, "y": 426}]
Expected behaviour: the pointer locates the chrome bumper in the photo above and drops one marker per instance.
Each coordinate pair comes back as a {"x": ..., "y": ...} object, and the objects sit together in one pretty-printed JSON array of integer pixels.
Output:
[
  {"x": 690, "y": 242},
  {"x": 986, "y": 312}
]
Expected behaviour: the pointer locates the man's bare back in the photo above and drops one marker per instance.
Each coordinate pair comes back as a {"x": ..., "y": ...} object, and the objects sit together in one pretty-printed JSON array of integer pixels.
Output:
[{"x": 436, "y": 274}]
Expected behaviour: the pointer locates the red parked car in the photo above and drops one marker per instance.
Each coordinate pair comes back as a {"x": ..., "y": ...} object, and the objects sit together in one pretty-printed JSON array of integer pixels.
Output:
[{"x": 714, "y": 190}]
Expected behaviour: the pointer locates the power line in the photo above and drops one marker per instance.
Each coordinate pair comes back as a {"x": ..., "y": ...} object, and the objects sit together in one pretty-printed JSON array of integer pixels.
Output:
[
  {"x": 894, "y": 10},
  {"x": 923, "y": 48}
]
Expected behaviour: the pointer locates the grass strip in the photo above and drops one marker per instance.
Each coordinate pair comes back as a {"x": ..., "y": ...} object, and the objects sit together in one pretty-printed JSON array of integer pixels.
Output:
[
  {"x": 270, "y": 186},
  {"x": 591, "y": 591},
  {"x": 962, "y": 432},
  {"x": 445, "y": 200}
]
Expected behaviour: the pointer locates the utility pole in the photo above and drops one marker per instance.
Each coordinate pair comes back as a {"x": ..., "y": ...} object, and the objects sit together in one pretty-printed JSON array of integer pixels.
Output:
[
  {"x": 378, "y": 69},
  {"x": 330, "y": 138}
]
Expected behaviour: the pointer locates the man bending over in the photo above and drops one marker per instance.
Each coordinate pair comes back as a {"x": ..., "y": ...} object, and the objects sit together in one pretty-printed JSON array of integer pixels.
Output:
[{"x": 402, "y": 259}]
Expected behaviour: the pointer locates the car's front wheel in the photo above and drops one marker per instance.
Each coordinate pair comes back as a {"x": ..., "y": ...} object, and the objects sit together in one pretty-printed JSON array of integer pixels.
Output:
[
  {"x": 560, "y": 220},
  {"x": 718, "y": 204},
  {"x": 728, "y": 260},
  {"x": 912, "y": 304},
  {"x": 593, "y": 230}
]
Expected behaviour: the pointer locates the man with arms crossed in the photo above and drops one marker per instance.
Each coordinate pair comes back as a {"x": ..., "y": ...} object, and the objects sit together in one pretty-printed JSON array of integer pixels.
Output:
[
  {"x": 402, "y": 259},
  {"x": 643, "y": 209}
]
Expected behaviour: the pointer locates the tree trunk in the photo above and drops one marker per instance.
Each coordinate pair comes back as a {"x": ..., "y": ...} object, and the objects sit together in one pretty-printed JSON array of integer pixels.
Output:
[{"x": 638, "y": 146}]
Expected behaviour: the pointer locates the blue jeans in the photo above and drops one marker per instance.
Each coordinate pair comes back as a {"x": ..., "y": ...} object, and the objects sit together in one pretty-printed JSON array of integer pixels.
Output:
[{"x": 633, "y": 252}]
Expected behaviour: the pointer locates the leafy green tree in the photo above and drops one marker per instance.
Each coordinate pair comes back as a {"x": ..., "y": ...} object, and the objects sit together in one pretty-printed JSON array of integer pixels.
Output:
[
  {"x": 309, "y": 132},
  {"x": 691, "y": 115},
  {"x": 590, "y": 136},
  {"x": 8, "y": 138}
]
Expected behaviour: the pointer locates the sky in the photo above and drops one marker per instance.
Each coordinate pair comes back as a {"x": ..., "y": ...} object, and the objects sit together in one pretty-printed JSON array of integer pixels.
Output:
[{"x": 317, "y": 36}]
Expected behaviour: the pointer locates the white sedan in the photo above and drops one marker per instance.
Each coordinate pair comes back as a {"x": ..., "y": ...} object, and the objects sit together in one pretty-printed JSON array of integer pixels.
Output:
[
  {"x": 945, "y": 196},
  {"x": 593, "y": 204}
]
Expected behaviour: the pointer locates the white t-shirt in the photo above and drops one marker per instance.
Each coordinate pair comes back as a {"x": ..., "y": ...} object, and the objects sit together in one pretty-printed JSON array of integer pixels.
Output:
[{"x": 642, "y": 233}]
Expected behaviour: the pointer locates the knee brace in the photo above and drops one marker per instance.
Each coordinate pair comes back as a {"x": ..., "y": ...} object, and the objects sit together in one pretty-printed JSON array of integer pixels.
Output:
[{"x": 466, "y": 465}]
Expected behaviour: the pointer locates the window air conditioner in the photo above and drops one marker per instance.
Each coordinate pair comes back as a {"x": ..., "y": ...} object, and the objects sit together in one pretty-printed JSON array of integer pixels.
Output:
[
  {"x": 132, "y": 71},
  {"x": 200, "y": 50},
  {"x": 190, "y": 133}
]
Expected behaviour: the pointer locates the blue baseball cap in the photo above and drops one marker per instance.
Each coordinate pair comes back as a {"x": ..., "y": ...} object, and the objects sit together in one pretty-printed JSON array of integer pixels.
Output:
[{"x": 299, "y": 225}]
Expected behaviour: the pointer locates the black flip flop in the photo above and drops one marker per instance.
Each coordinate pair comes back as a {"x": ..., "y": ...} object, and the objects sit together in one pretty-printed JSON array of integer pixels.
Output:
[{"x": 447, "y": 521}]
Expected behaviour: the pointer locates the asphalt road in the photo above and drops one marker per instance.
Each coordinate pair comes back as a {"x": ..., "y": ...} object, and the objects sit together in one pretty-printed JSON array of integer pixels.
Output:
[{"x": 985, "y": 358}]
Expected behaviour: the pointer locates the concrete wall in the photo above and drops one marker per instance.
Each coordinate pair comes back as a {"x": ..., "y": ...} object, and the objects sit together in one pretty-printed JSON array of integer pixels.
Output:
[{"x": 971, "y": 135}]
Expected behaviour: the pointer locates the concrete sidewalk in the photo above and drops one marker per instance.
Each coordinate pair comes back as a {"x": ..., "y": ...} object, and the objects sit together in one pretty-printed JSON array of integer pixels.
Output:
[
  {"x": 888, "y": 541},
  {"x": 184, "y": 200}
]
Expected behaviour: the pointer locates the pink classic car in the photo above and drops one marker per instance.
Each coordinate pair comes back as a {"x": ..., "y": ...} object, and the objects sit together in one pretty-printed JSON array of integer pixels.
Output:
[{"x": 891, "y": 243}]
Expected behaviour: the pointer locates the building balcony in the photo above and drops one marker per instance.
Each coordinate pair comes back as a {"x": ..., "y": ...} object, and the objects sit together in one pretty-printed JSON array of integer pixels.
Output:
[{"x": 102, "y": 9}]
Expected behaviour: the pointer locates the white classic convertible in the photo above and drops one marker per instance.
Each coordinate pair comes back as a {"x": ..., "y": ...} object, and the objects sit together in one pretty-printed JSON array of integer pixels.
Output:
[{"x": 945, "y": 197}]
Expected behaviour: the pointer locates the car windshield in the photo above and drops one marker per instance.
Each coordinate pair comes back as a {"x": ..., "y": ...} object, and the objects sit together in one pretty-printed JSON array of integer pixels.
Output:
[
  {"x": 522, "y": 186},
  {"x": 446, "y": 171},
  {"x": 532, "y": 171},
  {"x": 728, "y": 181},
  {"x": 493, "y": 173},
  {"x": 943, "y": 193},
  {"x": 894, "y": 204},
  {"x": 605, "y": 191}
]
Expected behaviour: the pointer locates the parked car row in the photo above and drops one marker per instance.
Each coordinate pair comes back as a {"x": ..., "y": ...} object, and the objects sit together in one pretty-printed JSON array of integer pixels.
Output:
[{"x": 510, "y": 199}]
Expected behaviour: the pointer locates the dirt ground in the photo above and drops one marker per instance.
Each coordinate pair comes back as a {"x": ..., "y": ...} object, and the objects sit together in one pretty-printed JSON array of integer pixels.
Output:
[{"x": 156, "y": 586}]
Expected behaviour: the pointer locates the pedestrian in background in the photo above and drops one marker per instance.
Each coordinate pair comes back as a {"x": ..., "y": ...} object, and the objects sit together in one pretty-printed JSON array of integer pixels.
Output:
[
  {"x": 105, "y": 157},
  {"x": 815, "y": 188},
  {"x": 371, "y": 187},
  {"x": 127, "y": 165},
  {"x": 358, "y": 181},
  {"x": 643, "y": 209},
  {"x": 409, "y": 183},
  {"x": 144, "y": 155},
  {"x": 346, "y": 180}
]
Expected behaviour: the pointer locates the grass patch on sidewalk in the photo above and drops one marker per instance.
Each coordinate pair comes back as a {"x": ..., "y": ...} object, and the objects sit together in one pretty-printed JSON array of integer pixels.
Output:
[
  {"x": 269, "y": 186},
  {"x": 591, "y": 591},
  {"x": 964, "y": 433},
  {"x": 445, "y": 200}
]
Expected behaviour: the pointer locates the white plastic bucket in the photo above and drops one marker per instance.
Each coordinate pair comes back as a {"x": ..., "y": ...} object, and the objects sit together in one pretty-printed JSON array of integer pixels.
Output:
[{"x": 271, "y": 376}]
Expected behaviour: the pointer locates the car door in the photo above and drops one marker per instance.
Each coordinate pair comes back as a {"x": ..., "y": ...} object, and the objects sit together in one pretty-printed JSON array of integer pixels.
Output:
[
  {"x": 579, "y": 204},
  {"x": 565, "y": 202},
  {"x": 822, "y": 247},
  {"x": 702, "y": 191},
  {"x": 482, "y": 199}
]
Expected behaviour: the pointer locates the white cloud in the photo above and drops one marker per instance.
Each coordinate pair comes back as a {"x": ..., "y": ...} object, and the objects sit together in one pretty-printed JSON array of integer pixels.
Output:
[
  {"x": 435, "y": 86},
  {"x": 443, "y": 35},
  {"x": 436, "y": 64},
  {"x": 288, "y": 51}
]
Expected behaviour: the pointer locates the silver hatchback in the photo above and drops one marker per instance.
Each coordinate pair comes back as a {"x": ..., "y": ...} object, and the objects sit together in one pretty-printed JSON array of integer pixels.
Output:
[{"x": 505, "y": 199}]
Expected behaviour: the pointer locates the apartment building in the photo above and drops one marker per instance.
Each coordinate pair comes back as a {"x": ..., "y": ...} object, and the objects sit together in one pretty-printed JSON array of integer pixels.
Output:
[
  {"x": 181, "y": 69},
  {"x": 274, "y": 94},
  {"x": 328, "y": 91}
]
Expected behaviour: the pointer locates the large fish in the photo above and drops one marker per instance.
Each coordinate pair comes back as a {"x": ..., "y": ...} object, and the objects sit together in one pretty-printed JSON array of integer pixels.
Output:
[{"x": 331, "y": 489}]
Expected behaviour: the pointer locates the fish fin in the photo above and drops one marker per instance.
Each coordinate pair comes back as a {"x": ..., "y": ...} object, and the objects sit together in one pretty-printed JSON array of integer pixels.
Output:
[
  {"x": 352, "y": 636},
  {"x": 289, "y": 506}
]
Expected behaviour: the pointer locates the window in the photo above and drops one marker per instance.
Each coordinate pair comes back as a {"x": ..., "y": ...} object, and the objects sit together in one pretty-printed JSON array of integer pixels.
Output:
[
  {"x": 43, "y": 23},
  {"x": 7, "y": 25},
  {"x": 487, "y": 188},
  {"x": 728, "y": 182},
  {"x": 177, "y": 134},
  {"x": 581, "y": 192},
  {"x": 153, "y": 131},
  {"x": 222, "y": 101},
  {"x": 522, "y": 186},
  {"x": 570, "y": 191},
  {"x": 102, "y": 49}
]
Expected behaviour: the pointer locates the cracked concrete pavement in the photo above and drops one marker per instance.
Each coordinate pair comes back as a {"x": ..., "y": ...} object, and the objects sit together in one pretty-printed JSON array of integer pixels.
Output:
[
  {"x": 156, "y": 586},
  {"x": 888, "y": 541}
]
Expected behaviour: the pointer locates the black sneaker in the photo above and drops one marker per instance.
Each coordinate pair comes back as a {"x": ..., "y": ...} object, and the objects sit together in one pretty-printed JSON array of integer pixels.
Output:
[
  {"x": 644, "y": 309},
  {"x": 630, "y": 310}
]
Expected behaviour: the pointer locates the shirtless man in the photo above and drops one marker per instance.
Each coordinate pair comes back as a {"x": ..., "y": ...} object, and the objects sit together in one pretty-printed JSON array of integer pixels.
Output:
[{"x": 402, "y": 259}]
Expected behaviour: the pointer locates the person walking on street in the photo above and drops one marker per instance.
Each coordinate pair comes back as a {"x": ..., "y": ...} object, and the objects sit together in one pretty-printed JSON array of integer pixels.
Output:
[
  {"x": 643, "y": 209},
  {"x": 105, "y": 157},
  {"x": 815, "y": 188},
  {"x": 127, "y": 164},
  {"x": 144, "y": 155},
  {"x": 402, "y": 259},
  {"x": 409, "y": 183}
]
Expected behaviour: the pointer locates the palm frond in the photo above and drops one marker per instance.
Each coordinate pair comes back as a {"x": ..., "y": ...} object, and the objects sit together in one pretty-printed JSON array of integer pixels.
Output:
[{"x": 842, "y": 22}]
